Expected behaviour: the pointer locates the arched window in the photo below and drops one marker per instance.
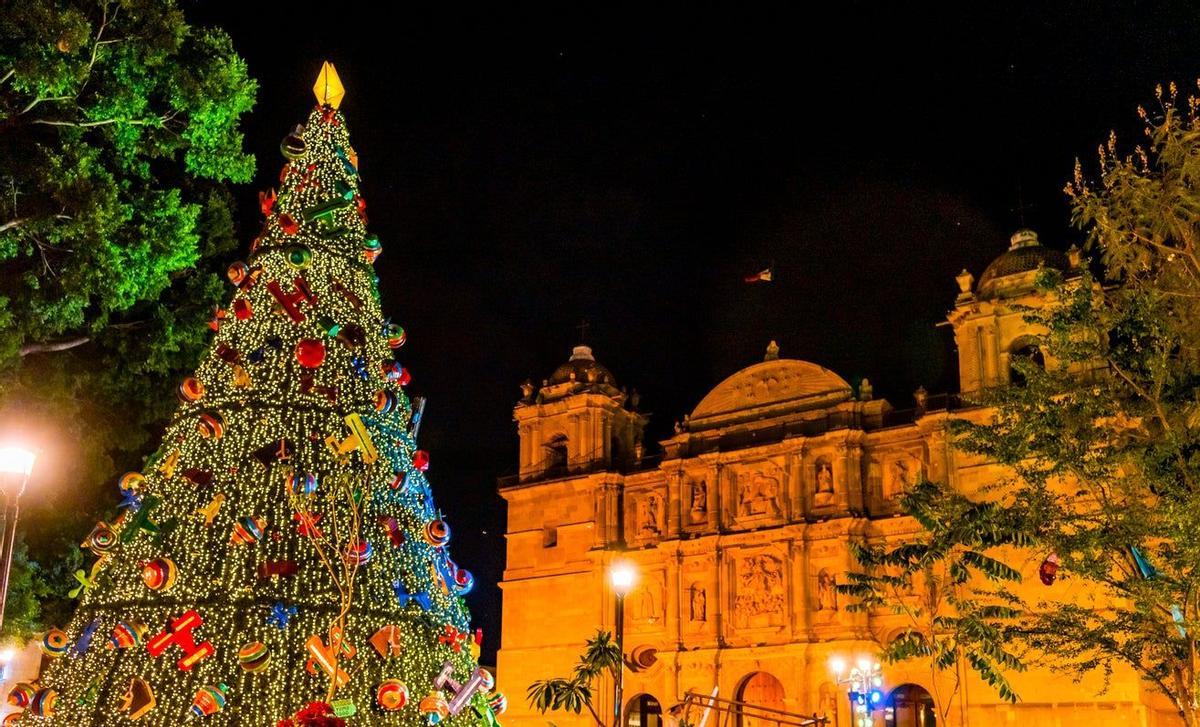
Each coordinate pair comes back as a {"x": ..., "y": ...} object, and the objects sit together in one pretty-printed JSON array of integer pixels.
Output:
[
  {"x": 909, "y": 705},
  {"x": 643, "y": 711},
  {"x": 556, "y": 453},
  {"x": 1025, "y": 349},
  {"x": 762, "y": 690}
]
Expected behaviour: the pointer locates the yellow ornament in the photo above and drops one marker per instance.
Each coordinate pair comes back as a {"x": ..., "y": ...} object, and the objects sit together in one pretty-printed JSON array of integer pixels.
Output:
[{"x": 328, "y": 89}]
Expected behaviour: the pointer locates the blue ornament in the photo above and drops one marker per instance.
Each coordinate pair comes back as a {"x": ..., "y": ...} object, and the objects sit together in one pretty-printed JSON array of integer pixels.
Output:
[
  {"x": 280, "y": 615},
  {"x": 85, "y": 638},
  {"x": 403, "y": 596},
  {"x": 359, "y": 366}
]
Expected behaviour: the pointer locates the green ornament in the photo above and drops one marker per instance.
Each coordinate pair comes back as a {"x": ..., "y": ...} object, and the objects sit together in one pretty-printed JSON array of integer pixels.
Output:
[{"x": 299, "y": 256}]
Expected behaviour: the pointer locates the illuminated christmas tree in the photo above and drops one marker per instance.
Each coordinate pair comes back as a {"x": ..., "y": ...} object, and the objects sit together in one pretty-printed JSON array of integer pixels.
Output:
[{"x": 282, "y": 546}]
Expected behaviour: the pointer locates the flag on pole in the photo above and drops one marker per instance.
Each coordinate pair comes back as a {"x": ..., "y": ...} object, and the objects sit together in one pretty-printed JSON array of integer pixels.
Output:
[{"x": 763, "y": 276}]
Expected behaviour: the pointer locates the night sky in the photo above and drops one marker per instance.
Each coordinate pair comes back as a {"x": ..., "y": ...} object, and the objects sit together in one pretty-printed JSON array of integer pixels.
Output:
[{"x": 529, "y": 168}]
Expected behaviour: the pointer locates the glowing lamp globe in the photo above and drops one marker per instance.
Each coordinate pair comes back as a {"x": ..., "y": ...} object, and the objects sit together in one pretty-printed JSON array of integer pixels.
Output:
[
  {"x": 16, "y": 460},
  {"x": 623, "y": 576}
]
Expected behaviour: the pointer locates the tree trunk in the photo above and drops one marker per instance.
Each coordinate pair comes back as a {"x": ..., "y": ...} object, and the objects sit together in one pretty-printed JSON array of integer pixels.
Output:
[{"x": 51, "y": 346}]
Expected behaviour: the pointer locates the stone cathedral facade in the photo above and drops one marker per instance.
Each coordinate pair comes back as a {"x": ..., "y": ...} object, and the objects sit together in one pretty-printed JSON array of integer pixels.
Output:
[{"x": 740, "y": 530}]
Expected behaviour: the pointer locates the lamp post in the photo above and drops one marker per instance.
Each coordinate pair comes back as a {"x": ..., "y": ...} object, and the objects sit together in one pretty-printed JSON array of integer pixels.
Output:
[
  {"x": 15, "y": 465},
  {"x": 864, "y": 687},
  {"x": 622, "y": 576}
]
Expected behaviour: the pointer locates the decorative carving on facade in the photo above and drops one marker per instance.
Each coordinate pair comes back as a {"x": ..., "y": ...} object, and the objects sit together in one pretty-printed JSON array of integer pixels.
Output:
[
  {"x": 826, "y": 591},
  {"x": 902, "y": 473},
  {"x": 698, "y": 501},
  {"x": 649, "y": 516},
  {"x": 761, "y": 594},
  {"x": 645, "y": 604},
  {"x": 823, "y": 490},
  {"x": 758, "y": 494},
  {"x": 698, "y": 600}
]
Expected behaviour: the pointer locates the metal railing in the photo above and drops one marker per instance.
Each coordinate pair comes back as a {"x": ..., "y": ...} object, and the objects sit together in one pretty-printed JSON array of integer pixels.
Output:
[{"x": 703, "y": 710}]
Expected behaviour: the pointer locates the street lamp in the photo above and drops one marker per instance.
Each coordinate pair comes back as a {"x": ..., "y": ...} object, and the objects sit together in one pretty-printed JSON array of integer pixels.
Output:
[
  {"x": 622, "y": 575},
  {"x": 864, "y": 687},
  {"x": 15, "y": 465}
]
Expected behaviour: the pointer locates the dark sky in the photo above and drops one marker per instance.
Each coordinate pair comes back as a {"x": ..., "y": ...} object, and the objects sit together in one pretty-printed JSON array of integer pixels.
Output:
[{"x": 530, "y": 167}]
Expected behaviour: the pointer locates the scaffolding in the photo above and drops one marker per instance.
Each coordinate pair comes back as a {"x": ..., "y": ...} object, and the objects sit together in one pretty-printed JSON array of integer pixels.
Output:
[{"x": 704, "y": 710}]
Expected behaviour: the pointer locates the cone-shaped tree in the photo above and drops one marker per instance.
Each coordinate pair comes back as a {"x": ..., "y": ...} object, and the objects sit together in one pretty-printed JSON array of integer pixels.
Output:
[{"x": 282, "y": 545}]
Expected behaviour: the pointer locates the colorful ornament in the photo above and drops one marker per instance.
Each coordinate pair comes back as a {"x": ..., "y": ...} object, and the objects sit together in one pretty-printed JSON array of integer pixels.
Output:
[
  {"x": 288, "y": 224},
  {"x": 237, "y": 272},
  {"x": 290, "y": 302},
  {"x": 437, "y": 533},
  {"x": 190, "y": 389},
  {"x": 138, "y": 699},
  {"x": 179, "y": 633},
  {"x": 385, "y": 401},
  {"x": 394, "y": 532},
  {"x": 54, "y": 643},
  {"x": 391, "y": 695},
  {"x": 298, "y": 257},
  {"x": 159, "y": 574},
  {"x": 1048, "y": 570},
  {"x": 277, "y": 568},
  {"x": 306, "y": 524},
  {"x": 127, "y": 634},
  {"x": 301, "y": 484},
  {"x": 360, "y": 553},
  {"x": 310, "y": 352},
  {"x": 211, "y": 425},
  {"x": 22, "y": 694},
  {"x": 359, "y": 439},
  {"x": 352, "y": 336},
  {"x": 248, "y": 530},
  {"x": 281, "y": 614},
  {"x": 101, "y": 540},
  {"x": 420, "y": 460},
  {"x": 390, "y": 370},
  {"x": 131, "y": 481},
  {"x": 329, "y": 89},
  {"x": 209, "y": 511},
  {"x": 209, "y": 700},
  {"x": 404, "y": 596},
  {"x": 292, "y": 147},
  {"x": 434, "y": 707},
  {"x": 43, "y": 703},
  {"x": 395, "y": 335},
  {"x": 328, "y": 658},
  {"x": 481, "y": 680},
  {"x": 84, "y": 642},
  {"x": 242, "y": 310},
  {"x": 254, "y": 657},
  {"x": 386, "y": 641},
  {"x": 498, "y": 702}
]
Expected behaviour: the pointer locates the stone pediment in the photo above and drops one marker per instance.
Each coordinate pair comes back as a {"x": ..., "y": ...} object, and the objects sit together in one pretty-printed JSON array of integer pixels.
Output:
[{"x": 770, "y": 388}]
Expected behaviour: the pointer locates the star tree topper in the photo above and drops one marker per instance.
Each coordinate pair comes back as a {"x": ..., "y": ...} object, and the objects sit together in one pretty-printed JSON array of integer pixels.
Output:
[{"x": 328, "y": 89}]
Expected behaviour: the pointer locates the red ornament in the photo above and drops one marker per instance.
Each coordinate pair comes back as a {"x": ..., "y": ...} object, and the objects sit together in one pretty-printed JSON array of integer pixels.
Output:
[
  {"x": 310, "y": 352},
  {"x": 421, "y": 460},
  {"x": 1048, "y": 571},
  {"x": 266, "y": 202},
  {"x": 241, "y": 309},
  {"x": 288, "y": 224}
]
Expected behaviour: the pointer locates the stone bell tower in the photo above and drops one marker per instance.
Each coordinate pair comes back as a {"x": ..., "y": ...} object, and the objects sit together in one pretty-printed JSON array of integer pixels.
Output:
[
  {"x": 577, "y": 422},
  {"x": 989, "y": 326}
]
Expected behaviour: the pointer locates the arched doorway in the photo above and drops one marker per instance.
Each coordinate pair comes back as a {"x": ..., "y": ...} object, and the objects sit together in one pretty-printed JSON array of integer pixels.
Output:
[
  {"x": 909, "y": 705},
  {"x": 762, "y": 690},
  {"x": 643, "y": 711}
]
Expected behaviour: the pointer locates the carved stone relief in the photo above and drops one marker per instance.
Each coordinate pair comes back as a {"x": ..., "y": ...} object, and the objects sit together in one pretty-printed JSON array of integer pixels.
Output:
[
  {"x": 649, "y": 514},
  {"x": 823, "y": 485},
  {"x": 826, "y": 591},
  {"x": 698, "y": 603},
  {"x": 900, "y": 474},
  {"x": 761, "y": 592},
  {"x": 758, "y": 495},
  {"x": 697, "y": 500}
]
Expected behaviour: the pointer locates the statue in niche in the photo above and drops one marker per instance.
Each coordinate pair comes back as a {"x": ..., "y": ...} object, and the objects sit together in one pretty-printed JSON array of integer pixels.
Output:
[
  {"x": 826, "y": 591},
  {"x": 645, "y": 605},
  {"x": 699, "y": 604},
  {"x": 648, "y": 513},
  {"x": 758, "y": 495},
  {"x": 824, "y": 477},
  {"x": 902, "y": 476},
  {"x": 699, "y": 500},
  {"x": 760, "y": 588}
]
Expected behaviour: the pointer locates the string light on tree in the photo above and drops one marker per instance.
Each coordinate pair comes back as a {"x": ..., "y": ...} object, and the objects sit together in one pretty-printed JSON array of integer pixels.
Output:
[{"x": 266, "y": 543}]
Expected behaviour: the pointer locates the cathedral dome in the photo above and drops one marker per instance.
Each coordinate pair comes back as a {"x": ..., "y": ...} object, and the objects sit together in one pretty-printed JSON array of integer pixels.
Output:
[
  {"x": 582, "y": 367},
  {"x": 1024, "y": 255},
  {"x": 775, "y": 386}
]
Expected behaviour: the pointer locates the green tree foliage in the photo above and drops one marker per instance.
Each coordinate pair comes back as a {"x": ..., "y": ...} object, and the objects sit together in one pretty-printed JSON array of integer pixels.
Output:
[
  {"x": 118, "y": 130},
  {"x": 572, "y": 694},
  {"x": 1103, "y": 443}
]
